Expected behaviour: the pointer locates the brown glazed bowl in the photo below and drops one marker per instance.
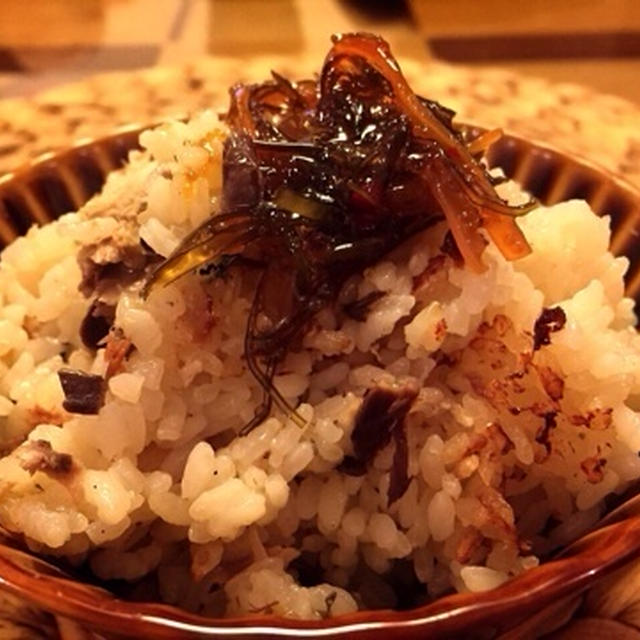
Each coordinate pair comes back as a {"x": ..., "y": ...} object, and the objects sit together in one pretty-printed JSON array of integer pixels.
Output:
[{"x": 58, "y": 183}]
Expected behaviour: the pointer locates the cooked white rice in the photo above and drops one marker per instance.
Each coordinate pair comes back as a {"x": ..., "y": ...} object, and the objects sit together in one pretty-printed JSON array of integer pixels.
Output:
[{"x": 219, "y": 525}]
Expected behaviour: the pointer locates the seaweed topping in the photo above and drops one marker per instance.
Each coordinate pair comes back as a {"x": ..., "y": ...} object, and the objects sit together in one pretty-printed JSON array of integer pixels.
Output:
[
  {"x": 450, "y": 248},
  {"x": 380, "y": 418},
  {"x": 399, "y": 474},
  {"x": 84, "y": 392},
  {"x": 549, "y": 321},
  {"x": 97, "y": 323},
  {"x": 321, "y": 179},
  {"x": 38, "y": 455},
  {"x": 110, "y": 264},
  {"x": 359, "y": 309},
  {"x": 544, "y": 432}
]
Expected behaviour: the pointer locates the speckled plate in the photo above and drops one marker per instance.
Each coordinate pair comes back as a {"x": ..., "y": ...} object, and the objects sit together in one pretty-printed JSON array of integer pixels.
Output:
[{"x": 55, "y": 184}]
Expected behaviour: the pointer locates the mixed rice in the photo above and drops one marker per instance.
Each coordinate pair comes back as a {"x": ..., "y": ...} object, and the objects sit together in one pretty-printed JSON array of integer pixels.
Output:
[{"x": 523, "y": 383}]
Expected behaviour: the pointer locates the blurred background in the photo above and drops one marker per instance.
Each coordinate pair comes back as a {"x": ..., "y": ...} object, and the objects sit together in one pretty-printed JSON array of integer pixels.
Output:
[
  {"x": 563, "y": 72},
  {"x": 594, "y": 42}
]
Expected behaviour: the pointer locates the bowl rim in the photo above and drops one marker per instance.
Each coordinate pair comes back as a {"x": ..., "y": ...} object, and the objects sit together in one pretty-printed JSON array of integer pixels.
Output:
[
  {"x": 592, "y": 556},
  {"x": 76, "y": 145}
]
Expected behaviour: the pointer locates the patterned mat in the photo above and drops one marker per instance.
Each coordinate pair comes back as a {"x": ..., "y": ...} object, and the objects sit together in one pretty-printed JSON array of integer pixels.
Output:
[{"x": 605, "y": 129}]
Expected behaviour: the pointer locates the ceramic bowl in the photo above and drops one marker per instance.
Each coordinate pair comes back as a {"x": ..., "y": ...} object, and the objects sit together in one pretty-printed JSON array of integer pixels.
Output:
[{"x": 56, "y": 183}]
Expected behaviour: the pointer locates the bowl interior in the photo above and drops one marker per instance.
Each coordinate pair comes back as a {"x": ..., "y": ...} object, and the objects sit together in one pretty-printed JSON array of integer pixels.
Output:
[
  {"x": 55, "y": 184},
  {"x": 552, "y": 177}
]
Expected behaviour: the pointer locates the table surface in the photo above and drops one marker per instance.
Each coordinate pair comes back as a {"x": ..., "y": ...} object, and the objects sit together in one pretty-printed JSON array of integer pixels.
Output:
[{"x": 192, "y": 50}]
